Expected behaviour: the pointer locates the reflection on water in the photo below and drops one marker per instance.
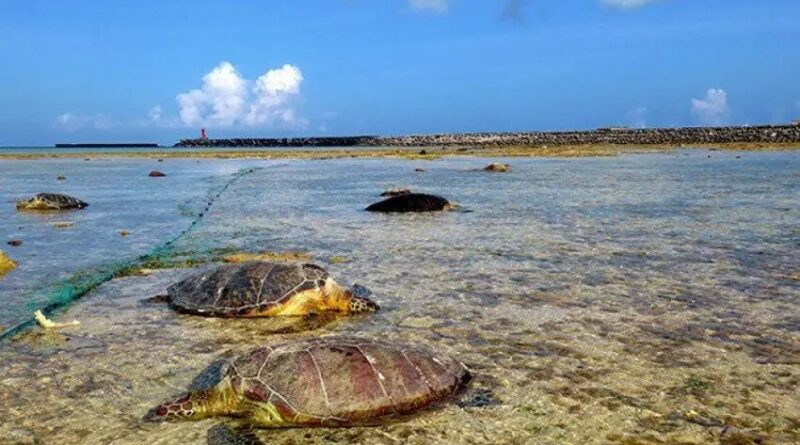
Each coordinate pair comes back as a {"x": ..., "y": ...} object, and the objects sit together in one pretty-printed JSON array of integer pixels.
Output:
[{"x": 633, "y": 300}]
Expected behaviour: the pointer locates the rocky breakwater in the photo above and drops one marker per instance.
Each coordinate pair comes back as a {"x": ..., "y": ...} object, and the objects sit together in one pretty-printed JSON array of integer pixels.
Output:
[{"x": 777, "y": 134}]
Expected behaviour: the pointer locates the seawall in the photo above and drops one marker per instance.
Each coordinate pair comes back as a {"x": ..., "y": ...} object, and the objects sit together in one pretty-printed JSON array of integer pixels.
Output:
[{"x": 778, "y": 134}]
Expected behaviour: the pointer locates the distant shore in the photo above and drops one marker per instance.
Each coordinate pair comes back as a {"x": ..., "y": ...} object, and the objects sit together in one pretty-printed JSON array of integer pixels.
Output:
[
  {"x": 598, "y": 142},
  {"x": 766, "y": 134}
]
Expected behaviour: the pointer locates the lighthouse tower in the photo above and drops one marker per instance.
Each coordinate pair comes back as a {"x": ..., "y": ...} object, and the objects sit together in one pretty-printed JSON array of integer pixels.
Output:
[{"x": 203, "y": 134}]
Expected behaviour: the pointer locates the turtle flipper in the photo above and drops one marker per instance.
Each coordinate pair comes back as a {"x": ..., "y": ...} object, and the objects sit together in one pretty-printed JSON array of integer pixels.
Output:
[{"x": 232, "y": 435}]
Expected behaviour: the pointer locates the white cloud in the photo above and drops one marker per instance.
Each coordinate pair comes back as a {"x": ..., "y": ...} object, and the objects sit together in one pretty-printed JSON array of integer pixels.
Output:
[
  {"x": 273, "y": 90},
  {"x": 430, "y": 5},
  {"x": 227, "y": 99},
  {"x": 76, "y": 121},
  {"x": 155, "y": 113},
  {"x": 713, "y": 109},
  {"x": 627, "y": 4},
  {"x": 637, "y": 117}
]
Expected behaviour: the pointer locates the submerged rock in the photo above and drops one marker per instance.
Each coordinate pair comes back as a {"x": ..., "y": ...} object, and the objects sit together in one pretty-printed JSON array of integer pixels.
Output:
[
  {"x": 156, "y": 174},
  {"x": 14, "y": 243},
  {"x": 61, "y": 178},
  {"x": 51, "y": 201},
  {"x": 412, "y": 202},
  {"x": 396, "y": 191},
  {"x": 497, "y": 167}
]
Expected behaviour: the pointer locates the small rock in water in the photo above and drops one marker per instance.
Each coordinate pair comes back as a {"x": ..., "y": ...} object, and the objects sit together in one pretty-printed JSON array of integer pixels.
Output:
[
  {"x": 63, "y": 225},
  {"x": 497, "y": 167},
  {"x": 160, "y": 160},
  {"x": 156, "y": 174},
  {"x": 61, "y": 178},
  {"x": 396, "y": 192},
  {"x": 124, "y": 233},
  {"x": 15, "y": 243},
  {"x": 418, "y": 170}
]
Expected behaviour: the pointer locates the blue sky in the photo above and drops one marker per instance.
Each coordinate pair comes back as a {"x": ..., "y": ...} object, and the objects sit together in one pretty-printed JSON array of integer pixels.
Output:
[{"x": 85, "y": 70}]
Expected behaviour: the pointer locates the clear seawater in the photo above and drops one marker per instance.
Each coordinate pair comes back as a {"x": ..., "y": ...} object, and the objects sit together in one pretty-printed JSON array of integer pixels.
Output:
[{"x": 639, "y": 299}]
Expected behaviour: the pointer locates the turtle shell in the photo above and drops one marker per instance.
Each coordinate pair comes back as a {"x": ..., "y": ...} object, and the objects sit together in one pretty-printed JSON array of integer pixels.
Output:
[
  {"x": 410, "y": 202},
  {"x": 52, "y": 201},
  {"x": 236, "y": 289},
  {"x": 341, "y": 381}
]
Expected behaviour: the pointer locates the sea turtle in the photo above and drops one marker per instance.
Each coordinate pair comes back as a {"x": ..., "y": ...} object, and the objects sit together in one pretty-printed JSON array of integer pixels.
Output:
[
  {"x": 51, "y": 201},
  {"x": 326, "y": 381},
  {"x": 265, "y": 289},
  {"x": 411, "y": 202}
]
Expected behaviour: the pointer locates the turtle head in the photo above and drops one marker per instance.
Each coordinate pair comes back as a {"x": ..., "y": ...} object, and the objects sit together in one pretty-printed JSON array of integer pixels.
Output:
[
  {"x": 191, "y": 406},
  {"x": 354, "y": 300},
  {"x": 360, "y": 301},
  {"x": 196, "y": 405}
]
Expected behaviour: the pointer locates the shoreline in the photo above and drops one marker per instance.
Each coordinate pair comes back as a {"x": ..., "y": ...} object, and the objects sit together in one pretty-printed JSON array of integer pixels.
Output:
[{"x": 410, "y": 153}]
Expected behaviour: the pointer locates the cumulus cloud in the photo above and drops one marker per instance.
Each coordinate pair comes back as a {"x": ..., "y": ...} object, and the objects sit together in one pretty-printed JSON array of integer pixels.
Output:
[
  {"x": 627, "y": 4},
  {"x": 713, "y": 109},
  {"x": 272, "y": 92},
  {"x": 430, "y": 5},
  {"x": 227, "y": 99}
]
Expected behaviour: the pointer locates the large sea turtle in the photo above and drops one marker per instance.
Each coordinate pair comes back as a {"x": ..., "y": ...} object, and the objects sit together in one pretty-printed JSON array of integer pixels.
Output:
[
  {"x": 327, "y": 381},
  {"x": 411, "y": 202},
  {"x": 265, "y": 289},
  {"x": 51, "y": 201}
]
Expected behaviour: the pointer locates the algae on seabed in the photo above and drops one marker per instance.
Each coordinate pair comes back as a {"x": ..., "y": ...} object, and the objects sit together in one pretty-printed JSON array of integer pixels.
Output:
[{"x": 6, "y": 264}]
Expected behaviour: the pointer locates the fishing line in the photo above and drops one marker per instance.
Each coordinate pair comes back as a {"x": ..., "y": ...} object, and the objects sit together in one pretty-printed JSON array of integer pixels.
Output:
[{"x": 81, "y": 283}]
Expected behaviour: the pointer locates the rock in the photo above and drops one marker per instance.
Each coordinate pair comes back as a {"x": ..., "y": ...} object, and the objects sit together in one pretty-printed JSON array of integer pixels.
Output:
[
  {"x": 15, "y": 243},
  {"x": 497, "y": 167},
  {"x": 423, "y": 152},
  {"x": 61, "y": 178},
  {"x": 412, "y": 202},
  {"x": 160, "y": 160},
  {"x": 418, "y": 170},
  {"x": 63, "y": 225},
  {"x": 156, "y": 174},
  {"x": 124, "y": 233},
  {"x": 396, "y": 191}
]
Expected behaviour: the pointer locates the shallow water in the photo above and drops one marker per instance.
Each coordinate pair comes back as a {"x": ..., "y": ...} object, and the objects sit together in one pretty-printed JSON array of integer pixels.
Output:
[{"x": 632, "y": 300}]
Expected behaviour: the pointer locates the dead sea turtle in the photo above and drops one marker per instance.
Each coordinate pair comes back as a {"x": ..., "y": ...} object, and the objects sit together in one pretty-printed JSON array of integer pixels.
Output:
[
  {"x": 411, "y": 202},
  {"x": 328, "y": 381},
  {"x": 265, "y": 289},
  {"x": 51, "y": 201}
]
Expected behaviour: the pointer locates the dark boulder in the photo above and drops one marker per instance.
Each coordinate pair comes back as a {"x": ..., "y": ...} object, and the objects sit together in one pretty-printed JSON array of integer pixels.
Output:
[{"x": 411, "y": 202}]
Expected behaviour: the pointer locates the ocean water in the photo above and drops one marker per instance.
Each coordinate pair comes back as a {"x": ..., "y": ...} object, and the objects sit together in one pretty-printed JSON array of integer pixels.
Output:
[{"x": 634, "y": 299}]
